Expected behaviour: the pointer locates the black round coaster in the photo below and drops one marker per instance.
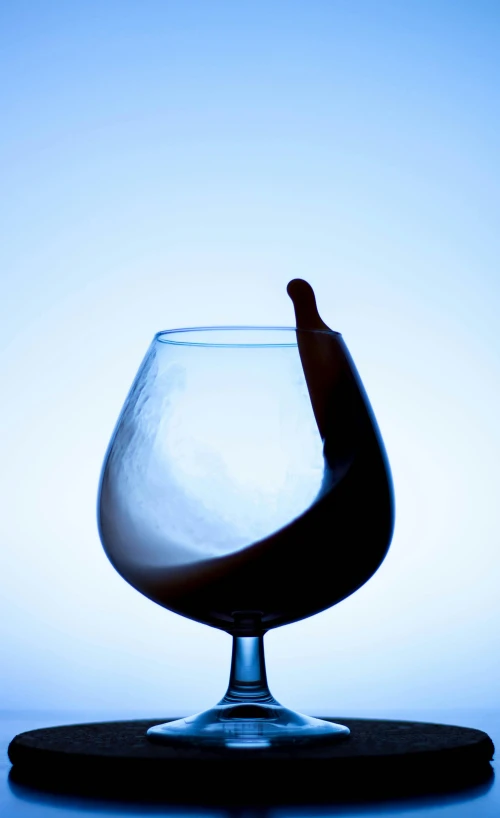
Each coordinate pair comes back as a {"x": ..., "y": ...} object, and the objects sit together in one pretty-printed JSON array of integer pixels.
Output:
[{"x": 379, "y": 759}]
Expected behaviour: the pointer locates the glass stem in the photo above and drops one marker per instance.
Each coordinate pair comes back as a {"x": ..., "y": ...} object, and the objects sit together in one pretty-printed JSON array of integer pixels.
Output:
[{"x": 248, "y": 680}]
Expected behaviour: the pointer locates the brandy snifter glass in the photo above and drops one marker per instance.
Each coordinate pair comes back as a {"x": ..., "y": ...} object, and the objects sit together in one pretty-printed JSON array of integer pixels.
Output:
[{"x": 246, "y": 487}]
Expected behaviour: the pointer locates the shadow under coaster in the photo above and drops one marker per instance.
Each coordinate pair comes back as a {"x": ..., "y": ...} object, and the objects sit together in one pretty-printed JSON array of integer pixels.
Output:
[{"x": 380, "y": 759}]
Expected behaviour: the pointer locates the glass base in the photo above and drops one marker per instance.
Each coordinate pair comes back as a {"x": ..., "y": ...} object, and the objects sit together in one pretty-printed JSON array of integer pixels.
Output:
[{"x": 247, "y": 726}]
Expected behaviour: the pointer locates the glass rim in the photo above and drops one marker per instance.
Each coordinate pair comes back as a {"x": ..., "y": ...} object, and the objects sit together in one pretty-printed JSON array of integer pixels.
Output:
[{"x": 159, "y": 336}]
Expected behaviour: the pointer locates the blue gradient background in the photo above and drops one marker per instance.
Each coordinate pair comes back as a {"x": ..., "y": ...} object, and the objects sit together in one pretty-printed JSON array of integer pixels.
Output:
[{"x": 176, "y": 163}]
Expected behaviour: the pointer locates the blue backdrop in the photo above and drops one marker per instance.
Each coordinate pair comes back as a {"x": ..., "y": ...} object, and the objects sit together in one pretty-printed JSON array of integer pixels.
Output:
[{"x": 176, "y": 163}]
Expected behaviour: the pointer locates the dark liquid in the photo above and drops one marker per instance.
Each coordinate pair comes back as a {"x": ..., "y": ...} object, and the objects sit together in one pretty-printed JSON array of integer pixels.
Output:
[{"x": 318, "y": 559}]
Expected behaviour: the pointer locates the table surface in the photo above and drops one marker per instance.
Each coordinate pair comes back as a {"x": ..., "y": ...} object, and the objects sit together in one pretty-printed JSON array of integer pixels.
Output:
[{"x": 20, "y": 802}]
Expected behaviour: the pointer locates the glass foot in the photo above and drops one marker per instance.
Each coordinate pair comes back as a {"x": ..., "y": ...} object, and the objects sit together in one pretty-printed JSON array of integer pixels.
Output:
[{"x": 247, "y": 726}]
